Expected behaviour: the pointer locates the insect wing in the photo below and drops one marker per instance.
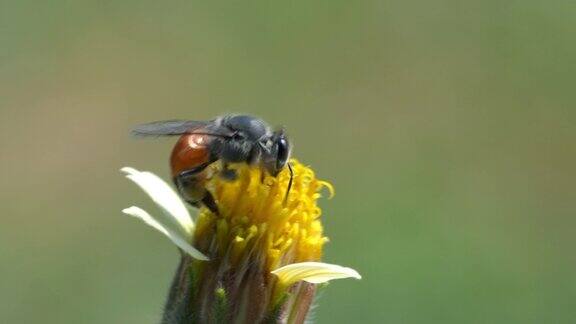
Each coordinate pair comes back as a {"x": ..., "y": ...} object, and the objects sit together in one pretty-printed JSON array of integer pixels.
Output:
[{"x": 168, "y": 127}]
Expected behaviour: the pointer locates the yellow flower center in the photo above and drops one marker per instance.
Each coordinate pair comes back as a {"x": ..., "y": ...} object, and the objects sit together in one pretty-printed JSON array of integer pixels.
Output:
[{"x": 257, "y": 222}]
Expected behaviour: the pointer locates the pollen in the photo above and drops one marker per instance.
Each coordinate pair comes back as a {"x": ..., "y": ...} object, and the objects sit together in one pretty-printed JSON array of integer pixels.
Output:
[{"x": 259, "y": 221}]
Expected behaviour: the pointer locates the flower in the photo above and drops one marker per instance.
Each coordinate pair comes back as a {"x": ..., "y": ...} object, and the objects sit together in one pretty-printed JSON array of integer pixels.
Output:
[{"x": 258, "y": 258}]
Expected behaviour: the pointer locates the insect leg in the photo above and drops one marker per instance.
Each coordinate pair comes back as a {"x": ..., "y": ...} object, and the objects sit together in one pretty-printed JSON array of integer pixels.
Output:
[
  {"x": 210, "y": 203},
  {"x": 190, "y": 184},
  {"x": 227, "y": 173}
]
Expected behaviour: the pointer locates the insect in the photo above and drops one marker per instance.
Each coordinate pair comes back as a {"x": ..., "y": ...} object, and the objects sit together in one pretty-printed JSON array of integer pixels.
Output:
[{"x": 230, "y": 139}]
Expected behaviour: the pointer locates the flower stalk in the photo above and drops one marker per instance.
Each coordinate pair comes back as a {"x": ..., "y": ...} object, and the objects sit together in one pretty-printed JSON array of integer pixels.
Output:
[{"x": 258, "y": 259}]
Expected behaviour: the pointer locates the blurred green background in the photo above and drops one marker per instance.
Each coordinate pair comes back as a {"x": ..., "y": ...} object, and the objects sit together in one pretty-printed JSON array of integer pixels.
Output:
[{"x": 447, "y": 127}]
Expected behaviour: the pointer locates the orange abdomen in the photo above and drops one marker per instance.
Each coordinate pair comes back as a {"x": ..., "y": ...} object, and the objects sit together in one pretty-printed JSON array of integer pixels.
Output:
[{"x": 190, "y": 151}]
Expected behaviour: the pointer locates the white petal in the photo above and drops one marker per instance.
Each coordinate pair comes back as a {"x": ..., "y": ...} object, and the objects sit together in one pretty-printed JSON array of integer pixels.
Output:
[
  {"x": 313, "y": 272},
  {"x": 173, "y": 236},
  {"x": 164, "y": 196}
]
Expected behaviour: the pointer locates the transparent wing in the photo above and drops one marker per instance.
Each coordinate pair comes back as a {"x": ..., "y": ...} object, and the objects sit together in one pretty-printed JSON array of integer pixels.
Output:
[{"x": 168, "y": 127}]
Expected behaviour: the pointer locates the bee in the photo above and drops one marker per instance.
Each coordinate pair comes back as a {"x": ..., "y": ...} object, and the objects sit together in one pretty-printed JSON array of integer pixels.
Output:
[{"x": 229, "y": 139}]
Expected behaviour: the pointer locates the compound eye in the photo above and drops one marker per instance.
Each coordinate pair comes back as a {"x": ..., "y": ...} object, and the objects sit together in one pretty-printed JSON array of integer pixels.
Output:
[{"x": 283, "y": 152}]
